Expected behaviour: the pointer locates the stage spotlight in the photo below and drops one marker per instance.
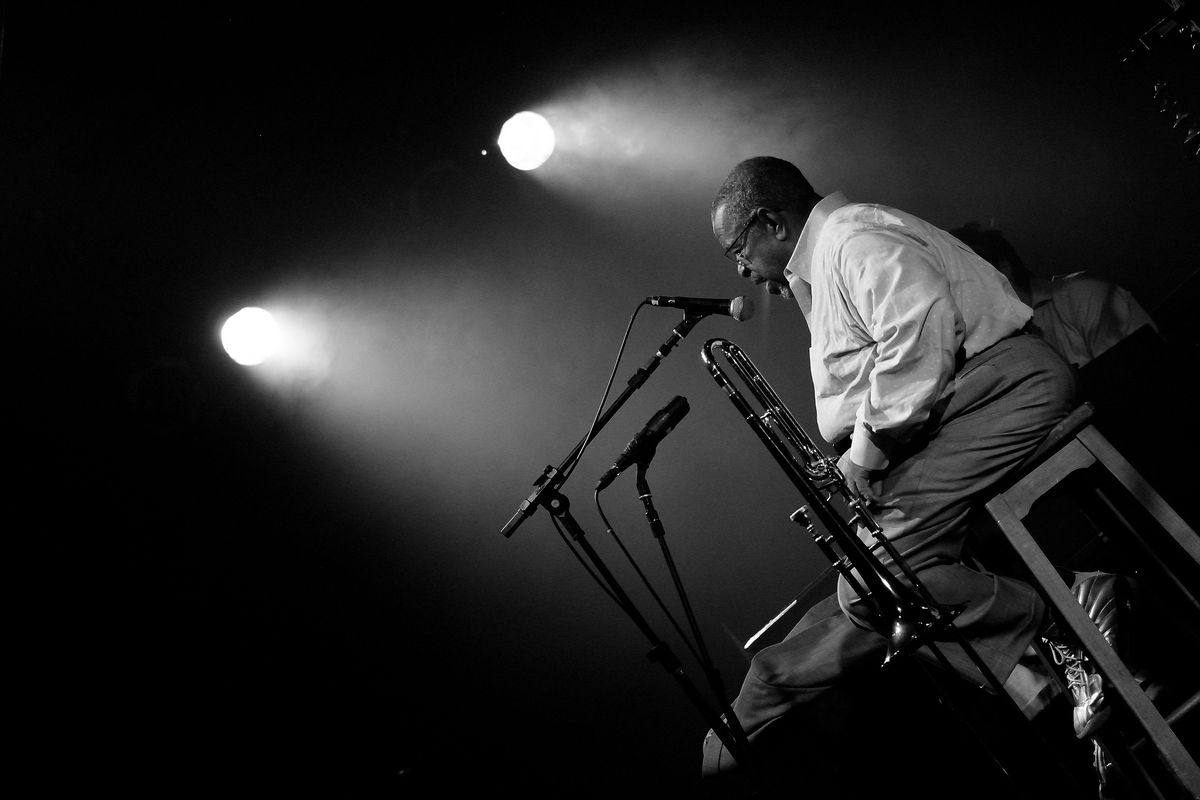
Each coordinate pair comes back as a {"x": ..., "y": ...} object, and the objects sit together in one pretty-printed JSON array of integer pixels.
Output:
[
  {"x": 526, "y": 140},
  {"x": 250, "y": 336}
]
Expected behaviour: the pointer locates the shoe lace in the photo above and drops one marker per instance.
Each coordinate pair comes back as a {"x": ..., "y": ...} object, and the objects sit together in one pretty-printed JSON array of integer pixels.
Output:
[{"x": 1071, "y": 661}]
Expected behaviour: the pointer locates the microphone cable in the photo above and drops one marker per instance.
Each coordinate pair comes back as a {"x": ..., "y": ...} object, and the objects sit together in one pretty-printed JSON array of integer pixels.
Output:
[
  {"x": 611, "y": 377},
  {"x": 646, "y": 582},
  {"x": 579, "y": 457}
]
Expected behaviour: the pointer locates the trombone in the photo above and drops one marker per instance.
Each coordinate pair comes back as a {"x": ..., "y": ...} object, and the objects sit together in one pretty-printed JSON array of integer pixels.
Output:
[{"x": 904, "y": 613}]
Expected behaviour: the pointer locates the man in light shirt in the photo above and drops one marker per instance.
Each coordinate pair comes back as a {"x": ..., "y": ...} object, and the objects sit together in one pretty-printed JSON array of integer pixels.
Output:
[{"x": 928, "y": 387}]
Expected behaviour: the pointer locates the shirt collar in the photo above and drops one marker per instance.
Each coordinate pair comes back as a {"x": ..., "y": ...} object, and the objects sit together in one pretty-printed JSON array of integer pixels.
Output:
[
  {"x": 799, "y": 267},
  {"x": 800, "y": 264}
]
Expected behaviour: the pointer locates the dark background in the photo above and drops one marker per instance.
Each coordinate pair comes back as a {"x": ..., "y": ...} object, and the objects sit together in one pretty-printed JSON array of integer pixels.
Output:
[{"x": 242, "y": 579}]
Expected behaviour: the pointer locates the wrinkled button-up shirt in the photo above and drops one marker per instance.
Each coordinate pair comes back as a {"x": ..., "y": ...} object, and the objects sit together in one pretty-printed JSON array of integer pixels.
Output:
[{"x": 894, "y": 306}]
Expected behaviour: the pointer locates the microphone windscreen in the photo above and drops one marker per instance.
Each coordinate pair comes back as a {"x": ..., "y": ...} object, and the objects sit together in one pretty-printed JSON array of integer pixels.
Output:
[{"x": 741, "y": 308}]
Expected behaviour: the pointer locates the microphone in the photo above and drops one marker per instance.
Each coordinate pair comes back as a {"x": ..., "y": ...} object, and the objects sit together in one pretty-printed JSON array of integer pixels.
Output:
[
  {"x": 643, "y": 445},
  {"x": 740, "y": 308}
]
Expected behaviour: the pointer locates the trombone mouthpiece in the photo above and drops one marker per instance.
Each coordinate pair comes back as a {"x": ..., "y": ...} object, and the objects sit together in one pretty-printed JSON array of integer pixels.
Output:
[{"x": 741, "y": 308}]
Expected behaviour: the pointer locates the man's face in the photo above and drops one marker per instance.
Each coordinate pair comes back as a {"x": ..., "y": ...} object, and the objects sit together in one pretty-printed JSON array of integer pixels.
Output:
[{"x": 749, "y": 245}]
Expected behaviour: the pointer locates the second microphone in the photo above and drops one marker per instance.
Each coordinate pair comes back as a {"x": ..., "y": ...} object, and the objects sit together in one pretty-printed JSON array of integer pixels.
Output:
[{"x": 642, "y": 446}]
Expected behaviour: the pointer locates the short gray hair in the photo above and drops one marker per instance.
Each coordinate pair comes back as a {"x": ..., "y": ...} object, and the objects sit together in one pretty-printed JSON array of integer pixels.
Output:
[{"x": 763, "y": 181}]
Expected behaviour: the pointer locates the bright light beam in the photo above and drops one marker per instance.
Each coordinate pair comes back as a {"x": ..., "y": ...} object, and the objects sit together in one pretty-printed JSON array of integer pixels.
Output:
[
  {"x": 526, "y": 140},
  {"x": 250, "y": 336}
]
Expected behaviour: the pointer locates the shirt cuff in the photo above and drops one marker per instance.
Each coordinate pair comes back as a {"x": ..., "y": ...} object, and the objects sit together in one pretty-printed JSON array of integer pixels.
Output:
[{"x": 869, "y": 449}]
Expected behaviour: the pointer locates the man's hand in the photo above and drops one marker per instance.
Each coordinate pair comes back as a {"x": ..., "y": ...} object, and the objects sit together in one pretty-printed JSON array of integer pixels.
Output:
[{"x": 858, "y": 479}]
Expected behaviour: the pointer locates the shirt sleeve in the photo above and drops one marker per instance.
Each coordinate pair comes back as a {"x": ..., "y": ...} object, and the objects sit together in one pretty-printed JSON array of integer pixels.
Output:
[{"x": 905, "y": 305}]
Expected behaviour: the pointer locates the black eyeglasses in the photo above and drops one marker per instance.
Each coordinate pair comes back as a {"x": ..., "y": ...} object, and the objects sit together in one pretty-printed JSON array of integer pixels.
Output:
[{"x": 734, "y": 251}]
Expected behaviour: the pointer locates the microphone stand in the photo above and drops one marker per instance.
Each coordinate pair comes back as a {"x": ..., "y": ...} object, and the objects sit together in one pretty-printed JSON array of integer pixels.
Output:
[
  {"x": 546, "y": 487},
  {"x": 714, "y": 676},
  {"x": 547, "y": 494},
  {"x": 660, "y": 652}
]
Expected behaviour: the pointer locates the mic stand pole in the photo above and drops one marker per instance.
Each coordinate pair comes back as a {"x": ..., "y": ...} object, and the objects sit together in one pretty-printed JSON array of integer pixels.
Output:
[
  {"x": 546, "y": 494},
  {"x": 552, "y": 478},
  {"x": 710, "y": 670},
  {"x": 660, "y": 651}
]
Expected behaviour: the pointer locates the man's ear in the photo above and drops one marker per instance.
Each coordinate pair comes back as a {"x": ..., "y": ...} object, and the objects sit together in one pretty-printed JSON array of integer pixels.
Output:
[{"x": 776, "y": 223}]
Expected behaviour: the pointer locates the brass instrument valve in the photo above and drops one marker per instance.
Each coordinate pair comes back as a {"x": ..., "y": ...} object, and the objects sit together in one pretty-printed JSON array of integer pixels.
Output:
[{"x": 800, "y": 517}]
